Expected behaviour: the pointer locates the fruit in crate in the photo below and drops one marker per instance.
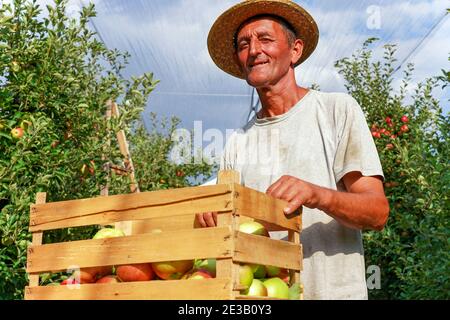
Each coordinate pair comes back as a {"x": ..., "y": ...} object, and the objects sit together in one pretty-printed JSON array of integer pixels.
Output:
[
  {"x": 206, "y": 264},
  {"x": 272, "y": 272},
  {"x": 135, "y": 272},
  {"x": 259, "y": 271},
  {"x": 245, "y": 275},
  {"x": 200, "y": 274},
  {"x": 257, "y": 289},
  {"x": 276, "y": 288},
  {"x": 172, "y": 270},
  {"x": 253, "y": 227},
  {"x": 91, "y": 274},
  {"x": 108, "y": 233},
  {"x": 108, "y": 279}
]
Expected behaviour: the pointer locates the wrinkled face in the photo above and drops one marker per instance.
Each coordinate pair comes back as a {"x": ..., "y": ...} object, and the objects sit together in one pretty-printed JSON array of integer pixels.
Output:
[{"x": 263, "y": 52}]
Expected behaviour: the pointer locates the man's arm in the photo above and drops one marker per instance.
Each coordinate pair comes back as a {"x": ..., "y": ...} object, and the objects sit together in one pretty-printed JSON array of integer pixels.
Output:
[{"x": 363, "y": 206}]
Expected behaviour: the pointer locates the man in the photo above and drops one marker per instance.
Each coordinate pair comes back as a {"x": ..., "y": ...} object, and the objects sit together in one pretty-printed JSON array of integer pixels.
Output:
[{"x": 322, "y": 155}]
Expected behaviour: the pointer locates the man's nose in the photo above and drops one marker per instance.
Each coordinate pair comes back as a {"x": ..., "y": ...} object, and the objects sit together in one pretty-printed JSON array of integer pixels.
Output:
[{"x": 255, "y": 47}]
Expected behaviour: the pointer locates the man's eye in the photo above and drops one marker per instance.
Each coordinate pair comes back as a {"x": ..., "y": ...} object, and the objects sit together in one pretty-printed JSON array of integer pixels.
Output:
[{"x": 242, "y": 45}]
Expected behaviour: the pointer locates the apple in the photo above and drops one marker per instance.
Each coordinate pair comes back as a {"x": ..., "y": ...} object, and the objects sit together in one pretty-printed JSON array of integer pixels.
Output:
[
  {"x": 17, "y": 133},
  {"x": 388, "y": 120},
  {"x": 108, "y": 279},
  {"x": 69, "y": 281},
  {"x": 277, "y": 288},
  {"x": 277, "y": 272},
  {"x": 259, "y": 271},
  {"x": 172, "y": 270},
  {"x": 253, "y": 227},
  {"x": 257, "y": 289},
  {"x": 200, "y": 274},
  {"x": 135, "y": 272},
  {"x": 295, "y": 291},
  {"x": 91, "y": 274},
  {"x": 404, "y": 128},
  {"x": 109, "y": 233},
  {"x": 405, "y": 119},
  {"x": 206, "y": 264},
  {"x": 245, "y": 275}
]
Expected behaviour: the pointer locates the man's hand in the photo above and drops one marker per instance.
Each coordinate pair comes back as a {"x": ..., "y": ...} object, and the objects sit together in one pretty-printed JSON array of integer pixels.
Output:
[
  {"x": 295, "y": 191},
  {"x": 363, "y": 206},
  {"x": 207, "y": 219}
]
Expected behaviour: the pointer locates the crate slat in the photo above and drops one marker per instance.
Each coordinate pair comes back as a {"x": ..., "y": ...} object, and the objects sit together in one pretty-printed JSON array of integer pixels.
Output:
[
  {"x": 205, "y": 289},
  {"x": 262, "y": 250},
  {"x": 140, "y": 206},
  {"x": 259, "y": 206},
  {"x": 165, "y": 246}
]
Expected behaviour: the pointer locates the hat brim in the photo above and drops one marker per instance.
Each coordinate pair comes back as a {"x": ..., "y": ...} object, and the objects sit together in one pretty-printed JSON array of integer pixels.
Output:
[{"x": 222, "y": 33}]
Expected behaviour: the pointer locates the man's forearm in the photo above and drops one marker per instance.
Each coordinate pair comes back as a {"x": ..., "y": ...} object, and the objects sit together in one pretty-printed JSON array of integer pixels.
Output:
[{"x": 354, "y": 210}]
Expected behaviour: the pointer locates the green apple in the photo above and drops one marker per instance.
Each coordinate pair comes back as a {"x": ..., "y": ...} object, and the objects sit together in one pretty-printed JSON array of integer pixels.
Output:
[
  {"x": 276, "y": 288},
  {"x": 259, "y": 271},
  {"x": 206, "y": 264},
  {"x": 257, "y": 289},
  {"x": 245, "y": 275},
  {"x": 253, "y": 227},
  {"x": 109, "y": 233}
]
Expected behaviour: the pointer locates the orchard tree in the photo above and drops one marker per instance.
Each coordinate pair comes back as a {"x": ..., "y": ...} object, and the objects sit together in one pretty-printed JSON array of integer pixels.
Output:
[
  {"x": 55, "y": 81},
  {"x": 413, "y": 251}
]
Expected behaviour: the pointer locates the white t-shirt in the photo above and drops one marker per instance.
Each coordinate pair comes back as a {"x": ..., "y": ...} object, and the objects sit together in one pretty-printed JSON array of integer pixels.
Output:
[{"x": 322, "y": 138}]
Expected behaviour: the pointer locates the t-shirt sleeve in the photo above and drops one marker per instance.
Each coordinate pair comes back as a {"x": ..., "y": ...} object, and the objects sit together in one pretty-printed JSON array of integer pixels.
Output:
[{"x": 356, "y": 150}]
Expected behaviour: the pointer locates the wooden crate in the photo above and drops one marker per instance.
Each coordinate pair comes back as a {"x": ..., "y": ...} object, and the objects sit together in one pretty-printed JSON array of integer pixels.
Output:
[{"x": 173, "y": 212}]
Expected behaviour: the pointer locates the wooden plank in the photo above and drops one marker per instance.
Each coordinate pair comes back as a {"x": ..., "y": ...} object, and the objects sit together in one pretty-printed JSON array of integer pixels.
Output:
[
  {"x": 144, "y": 205},
  {"x": 263, "y": 250},
  {"x": 294, "y": 275},
  {"x": 225, "y": 268},
  {"x": 143, "y": 248},
  {"x": 171, "y": 223},
  {"x": 41, "y": 197},
  {"x": 205, "y": 289},
  {"x": 259, "y": 206}
]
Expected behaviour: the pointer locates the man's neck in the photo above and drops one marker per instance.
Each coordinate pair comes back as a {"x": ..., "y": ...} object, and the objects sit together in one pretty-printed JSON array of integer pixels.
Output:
[{"x": 279, "y": 99}]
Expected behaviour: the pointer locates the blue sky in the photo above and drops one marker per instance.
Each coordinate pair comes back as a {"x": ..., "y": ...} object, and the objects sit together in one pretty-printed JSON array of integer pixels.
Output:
[{"x": 168, "y": 38}]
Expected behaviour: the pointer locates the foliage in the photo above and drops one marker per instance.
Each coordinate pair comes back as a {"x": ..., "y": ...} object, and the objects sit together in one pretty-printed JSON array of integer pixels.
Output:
[
  {"x": 55, "y": 81},
  {"x": 412, "y": 137}
]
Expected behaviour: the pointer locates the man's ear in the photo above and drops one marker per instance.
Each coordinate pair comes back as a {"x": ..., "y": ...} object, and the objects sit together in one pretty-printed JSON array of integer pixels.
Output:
[{"x": 297, "y": 51}]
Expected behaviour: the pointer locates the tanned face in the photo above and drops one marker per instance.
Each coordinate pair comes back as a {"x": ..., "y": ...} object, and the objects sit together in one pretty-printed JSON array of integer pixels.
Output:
[{"x": 264, "y": 53}]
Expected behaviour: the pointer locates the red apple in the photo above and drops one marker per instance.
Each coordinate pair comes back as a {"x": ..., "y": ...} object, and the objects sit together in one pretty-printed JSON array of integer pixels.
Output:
[
  {"x": 135, "y": 272},
  {"x": 200, "y": 274},
  {"x": 257, "y": 289},
  {"x": 388, "y": 120},
  {"x": 69, "y": 281},
  {"x": 253, "y": 227},
  {"x": 405, "y": 119},
  {"x": 404, "y": 128},
  {"x": 277, "y": 288},
  {"x": 172, "y": 270},
  {"x": 17, "y": 133},
  {"x": 108, "y": 279}
]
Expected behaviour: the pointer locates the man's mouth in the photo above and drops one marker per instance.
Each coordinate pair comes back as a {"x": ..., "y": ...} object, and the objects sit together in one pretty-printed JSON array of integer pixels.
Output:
[{"x": 258, "y": 64}]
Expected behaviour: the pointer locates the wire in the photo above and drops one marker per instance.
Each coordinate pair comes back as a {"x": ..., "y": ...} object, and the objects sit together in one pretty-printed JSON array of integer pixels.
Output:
[{"x": 421, "y": 42}]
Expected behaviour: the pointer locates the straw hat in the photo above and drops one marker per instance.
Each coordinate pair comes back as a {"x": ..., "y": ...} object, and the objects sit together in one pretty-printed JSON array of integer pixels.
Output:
[{"x": 221, "y": 36}]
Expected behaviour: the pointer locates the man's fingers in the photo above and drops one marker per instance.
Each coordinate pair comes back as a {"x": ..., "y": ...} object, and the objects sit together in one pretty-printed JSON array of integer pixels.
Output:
[
  {"x": 200, "y": 220},
  {"x": 274, "y": 186},
  {"x": 293, "y": 205},
  {"x": 209, "y": 219}
]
